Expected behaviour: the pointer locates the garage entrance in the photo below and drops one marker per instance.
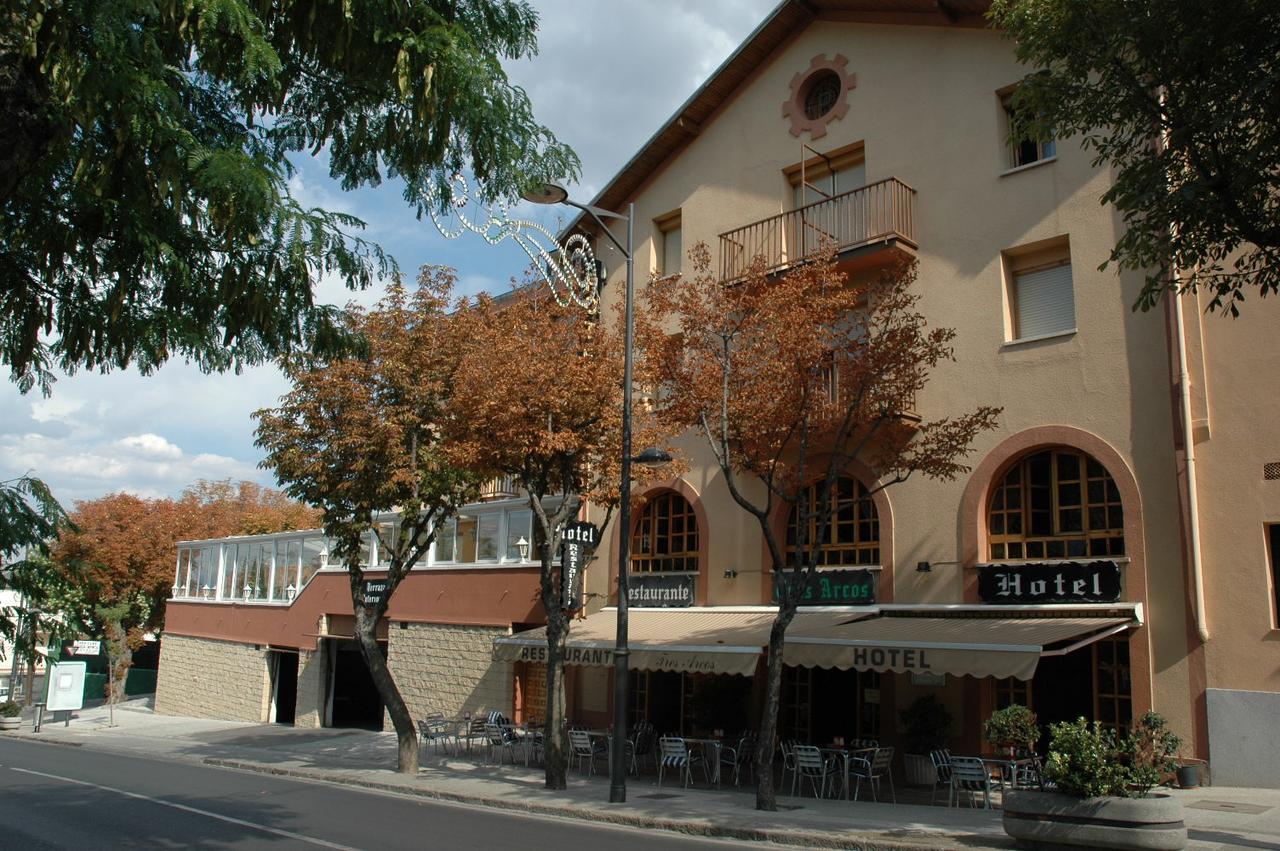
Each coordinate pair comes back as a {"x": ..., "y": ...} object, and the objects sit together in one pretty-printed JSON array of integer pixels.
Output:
[{"x": 353, "y": 698}]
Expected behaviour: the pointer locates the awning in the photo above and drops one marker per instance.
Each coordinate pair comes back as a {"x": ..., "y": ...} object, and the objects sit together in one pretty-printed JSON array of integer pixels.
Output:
[
  {"x": 959, "y": 645},
  {"x": 696, "y": 640}
]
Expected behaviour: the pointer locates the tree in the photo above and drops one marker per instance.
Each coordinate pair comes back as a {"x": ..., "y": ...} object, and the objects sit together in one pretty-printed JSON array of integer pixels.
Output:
[
  {"x": 144, "y": 164},
  {"x": 30, "y": 518},
  {"x": 359, "y": 438},
  {"x": 794, "y": 382},
  {"x": 113, "y": 572},
  {"x": 1179, "y": 97},
  {"x": 543, "y": 404}
]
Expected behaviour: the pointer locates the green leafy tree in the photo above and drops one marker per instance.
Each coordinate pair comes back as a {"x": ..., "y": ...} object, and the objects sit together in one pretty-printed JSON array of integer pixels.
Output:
[
  {"x": 145, "y": 209},
  {"x": 358, "y": 437},
  {"x": 30, "y": 519},
  {"x": 1180, "y": 98}
]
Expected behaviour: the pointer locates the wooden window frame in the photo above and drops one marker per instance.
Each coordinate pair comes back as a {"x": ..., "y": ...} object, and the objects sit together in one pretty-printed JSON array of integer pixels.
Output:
[
  {"x": 865, "y": 524},
  {"x": 654, "y": 550},
  {"x": 1026, "y": 545}
]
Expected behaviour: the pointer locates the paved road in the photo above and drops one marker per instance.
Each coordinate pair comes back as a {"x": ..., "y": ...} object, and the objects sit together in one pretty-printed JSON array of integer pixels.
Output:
[{"x": 61, "y": 797}]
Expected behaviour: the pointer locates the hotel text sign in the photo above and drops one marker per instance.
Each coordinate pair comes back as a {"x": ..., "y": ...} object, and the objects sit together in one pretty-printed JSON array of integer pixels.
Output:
[
  {"x": 1068, "y": 582},
  {"x": 577, "y": 541},
  {"x": 838, "y": 588}
]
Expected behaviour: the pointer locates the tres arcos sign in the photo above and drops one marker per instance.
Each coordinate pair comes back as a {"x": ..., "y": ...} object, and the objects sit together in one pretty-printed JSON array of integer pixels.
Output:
[{"x": 1061, "y": 582}]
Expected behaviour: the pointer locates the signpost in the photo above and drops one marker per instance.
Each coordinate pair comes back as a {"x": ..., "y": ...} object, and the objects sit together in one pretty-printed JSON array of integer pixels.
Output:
[
  {"x": 577, "y": 541},
  {"x": 86, "y": 648}
]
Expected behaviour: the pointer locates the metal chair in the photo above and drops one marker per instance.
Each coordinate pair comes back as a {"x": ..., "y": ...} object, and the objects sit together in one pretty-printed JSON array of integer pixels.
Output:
[
  {"x": 873, "y": 770},
  {"x": 941, "y": 760},
  {"x": 674, "y": 753},
  {"x": 737, "y": 756},
  {"x": 786, "y": 747},
  {"x": 640, "y": 746},
  {"x": 502, "y": 739},
  {"x": 811, "y": 765},
  {"x": 969, "y": 774},
  {"x": 434, "y": 730},
  {"x": 584, "y": 749}
]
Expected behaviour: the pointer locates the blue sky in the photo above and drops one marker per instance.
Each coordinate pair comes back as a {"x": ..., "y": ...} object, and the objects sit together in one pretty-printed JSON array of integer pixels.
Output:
[{"x": 609, "y": 72}]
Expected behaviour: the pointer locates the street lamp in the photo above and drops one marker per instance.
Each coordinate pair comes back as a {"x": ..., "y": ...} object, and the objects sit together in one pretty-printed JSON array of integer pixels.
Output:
[
  {"x": 522, "y": 548},
  {"x": 554, "y": 193}
]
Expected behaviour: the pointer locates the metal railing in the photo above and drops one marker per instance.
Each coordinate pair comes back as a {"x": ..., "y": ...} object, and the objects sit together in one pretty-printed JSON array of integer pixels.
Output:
[
  {"x": 869, "y": 214},
  {"x": 502, "y": 487}
]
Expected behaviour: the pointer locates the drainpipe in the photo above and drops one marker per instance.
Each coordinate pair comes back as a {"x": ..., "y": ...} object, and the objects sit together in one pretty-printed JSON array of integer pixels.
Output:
[{"x": 1188, "y": 436}]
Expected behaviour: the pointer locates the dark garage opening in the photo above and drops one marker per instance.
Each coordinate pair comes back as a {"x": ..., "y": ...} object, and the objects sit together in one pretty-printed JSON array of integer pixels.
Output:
[
  {"x": 284, "y": 671},
  {"x": 355, "y": 698}
]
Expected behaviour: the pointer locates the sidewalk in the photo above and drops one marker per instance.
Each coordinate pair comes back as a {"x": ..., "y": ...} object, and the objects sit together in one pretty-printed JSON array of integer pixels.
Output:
[{"x": 1216, "y": 817}]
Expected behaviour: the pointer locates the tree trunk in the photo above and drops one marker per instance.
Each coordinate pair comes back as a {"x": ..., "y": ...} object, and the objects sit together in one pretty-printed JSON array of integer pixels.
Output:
[
  {"x": 406, "y": 733},
  {"x": 554, "y": 737},
  {"x": 121, "y": 661},
  {"x": 766, "y": 796}
]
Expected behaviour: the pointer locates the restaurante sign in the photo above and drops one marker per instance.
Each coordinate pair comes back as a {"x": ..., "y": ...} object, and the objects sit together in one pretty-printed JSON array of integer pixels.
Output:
[
  {"x": 1065, "y": 582},
  {"x": 669, "y": 590}
]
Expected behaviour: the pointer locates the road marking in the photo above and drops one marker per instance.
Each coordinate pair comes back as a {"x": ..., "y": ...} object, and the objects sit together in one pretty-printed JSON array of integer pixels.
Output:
[{"x": 287, "y": 834}]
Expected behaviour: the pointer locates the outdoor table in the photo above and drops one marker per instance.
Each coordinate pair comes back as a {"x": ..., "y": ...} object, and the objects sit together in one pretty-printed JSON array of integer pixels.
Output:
[
  {"x": 606, "y": 737},
  {"x": 847, "y": 756},
  {"x": 711, "y": 753},
  {"x": 1006, "y": 765},
  {"x": 529, "y": 734}
]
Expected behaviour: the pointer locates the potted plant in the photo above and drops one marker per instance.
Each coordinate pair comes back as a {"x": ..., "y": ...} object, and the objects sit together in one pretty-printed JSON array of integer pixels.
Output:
[
  {"x": 10, "y": 715},
  {"x": 1011, "y": 728},
  {"x": 928, "y": 727},
  {"x": 1103, "y": 797}
]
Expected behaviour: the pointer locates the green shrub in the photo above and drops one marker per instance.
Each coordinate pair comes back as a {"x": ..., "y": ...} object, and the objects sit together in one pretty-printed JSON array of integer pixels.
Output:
[
  {"x": 928, "y": 724},
  {"x": 1088, "y": 761},
  {"x": 1013, "y": 726},
  {"x": 9, "y": 709}
]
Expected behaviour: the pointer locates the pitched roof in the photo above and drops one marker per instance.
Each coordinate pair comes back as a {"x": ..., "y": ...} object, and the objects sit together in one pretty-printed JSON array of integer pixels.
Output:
[{"x": 788, "y": 19}]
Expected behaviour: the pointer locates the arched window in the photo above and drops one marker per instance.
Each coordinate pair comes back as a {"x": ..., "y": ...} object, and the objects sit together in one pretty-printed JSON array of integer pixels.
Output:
[
  {"x": 665, "y": 536},
  {"x": 1055, "y": 503},
  {"x": 854, "y": 534}
]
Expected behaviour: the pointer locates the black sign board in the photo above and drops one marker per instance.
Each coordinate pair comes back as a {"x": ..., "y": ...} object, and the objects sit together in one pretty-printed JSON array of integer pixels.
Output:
[
  {"x": 838, "y": 588},
  {"x": 372, "y": 591},
  {"x": 662, "y": 590},
  {"x": 1067, "y": 582},
  {"x": 577, "y": 541}
]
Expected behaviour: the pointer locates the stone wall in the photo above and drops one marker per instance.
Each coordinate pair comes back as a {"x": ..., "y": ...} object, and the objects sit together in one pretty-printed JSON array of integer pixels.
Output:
[
  {"x": 313, "y": 679},
  {"x": 449, "y": 669},
  {"x": 203, "y": 678}
]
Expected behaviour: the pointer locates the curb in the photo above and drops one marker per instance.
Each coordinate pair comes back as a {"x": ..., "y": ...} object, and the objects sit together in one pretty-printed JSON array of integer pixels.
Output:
[{"x": 778, "y": 836}]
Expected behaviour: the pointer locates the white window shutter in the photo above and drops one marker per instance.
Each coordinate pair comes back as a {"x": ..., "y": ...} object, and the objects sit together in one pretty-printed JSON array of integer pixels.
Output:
[{"x": 1045, "y": 302}]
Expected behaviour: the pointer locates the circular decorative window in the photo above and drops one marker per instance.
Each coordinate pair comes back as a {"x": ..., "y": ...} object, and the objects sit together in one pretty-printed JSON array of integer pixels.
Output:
[{"x": 819, "y": 96}]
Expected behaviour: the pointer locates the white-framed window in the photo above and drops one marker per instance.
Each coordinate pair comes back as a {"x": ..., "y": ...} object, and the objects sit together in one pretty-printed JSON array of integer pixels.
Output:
[
  {"x": 1020, "y": 150},
  {"x": 669, "y": 239},
  {"x": 485, "y": 534},
  {"x": 1040, "y": 294}
]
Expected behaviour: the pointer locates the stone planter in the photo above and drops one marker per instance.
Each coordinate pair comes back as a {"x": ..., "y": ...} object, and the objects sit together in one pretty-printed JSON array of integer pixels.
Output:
[
  {"x": 10, "y": 723},
  {"x": 1153, "y": 823},
  {"x": 919, "y": 770}
]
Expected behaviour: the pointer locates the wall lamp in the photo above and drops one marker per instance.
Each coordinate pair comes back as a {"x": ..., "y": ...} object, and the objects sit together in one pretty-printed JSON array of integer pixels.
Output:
[{"x": 923, "y": 567}]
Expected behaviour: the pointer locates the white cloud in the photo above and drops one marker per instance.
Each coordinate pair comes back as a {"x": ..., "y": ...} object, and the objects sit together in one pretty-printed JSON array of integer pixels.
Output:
[
  {"x": 151, "y": 444},
  {"x": 56, "y": 409}
]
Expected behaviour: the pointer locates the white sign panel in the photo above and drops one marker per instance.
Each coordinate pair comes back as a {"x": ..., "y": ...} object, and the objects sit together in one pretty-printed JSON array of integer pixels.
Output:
[
  {"x": 86, "y": 648},
  {"x": 66, "y": 686}
]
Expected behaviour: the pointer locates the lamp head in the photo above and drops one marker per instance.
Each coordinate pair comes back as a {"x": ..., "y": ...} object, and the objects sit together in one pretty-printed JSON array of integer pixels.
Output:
[
  {"x": 652, "y": 457},
  {"x": 549, "y": 192}
]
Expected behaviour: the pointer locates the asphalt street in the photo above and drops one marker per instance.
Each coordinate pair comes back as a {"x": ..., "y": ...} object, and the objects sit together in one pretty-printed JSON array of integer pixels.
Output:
[{"x": 63, "y": 797}]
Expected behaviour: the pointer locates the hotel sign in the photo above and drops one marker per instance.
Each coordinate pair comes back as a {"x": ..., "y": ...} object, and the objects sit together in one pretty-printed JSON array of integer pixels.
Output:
[
  {"x": 838, "y": 588},
  {"x": 1065, "y": 582},
  {"x": 661, "y": 590},
  {"x": 577, "y": 541}
]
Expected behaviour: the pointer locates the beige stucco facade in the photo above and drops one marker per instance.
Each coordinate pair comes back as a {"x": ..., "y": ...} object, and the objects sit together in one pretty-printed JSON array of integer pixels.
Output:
[{"x": 926, "y": 110}]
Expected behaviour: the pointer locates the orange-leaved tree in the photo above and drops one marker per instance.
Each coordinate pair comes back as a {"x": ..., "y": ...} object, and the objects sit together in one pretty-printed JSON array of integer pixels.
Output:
[
  {"x": 796, "y": 381},
  {"x": 359, "y": 437},
  {"x": 543, "y": 404},
  {"x": 119, "y": 557}
]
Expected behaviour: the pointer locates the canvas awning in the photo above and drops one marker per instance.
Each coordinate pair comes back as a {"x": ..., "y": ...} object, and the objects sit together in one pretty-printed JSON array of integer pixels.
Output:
[
  {"x": 696, "y": 640},
  {"x": 976, "y": 646}
]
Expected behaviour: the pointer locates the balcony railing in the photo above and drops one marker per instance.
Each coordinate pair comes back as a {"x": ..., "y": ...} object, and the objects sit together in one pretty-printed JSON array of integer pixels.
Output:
[
  {"x": 873, "y": 213},
  {"x": 503, "y": 487}
]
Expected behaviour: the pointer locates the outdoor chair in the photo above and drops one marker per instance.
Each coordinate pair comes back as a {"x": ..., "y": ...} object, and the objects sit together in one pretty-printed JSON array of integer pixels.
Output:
[
  {"x": 863, "y": 744},
  {"x": 811, "y": 765},
  {"x": 873, "y": 770},
  {"x": 941, "y": 760},
  {"x": 787, "y": 748},
  {"x": 434, "y": 731},
  {"x": 640, "y": 746},
  {"x": 969, "y": 774},
  {"x": 584, "y": 749},
  {"x": 674, "y": 753},
  {"x": 502, "y": 740},
  {"x": 738, "y": 756}
]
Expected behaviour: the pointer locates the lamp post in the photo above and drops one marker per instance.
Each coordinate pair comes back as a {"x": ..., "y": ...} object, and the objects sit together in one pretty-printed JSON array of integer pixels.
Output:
[{"x": 553, "y": 193}]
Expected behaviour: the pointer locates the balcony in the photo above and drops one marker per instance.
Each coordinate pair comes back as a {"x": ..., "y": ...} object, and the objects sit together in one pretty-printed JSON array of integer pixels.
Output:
[
  {"x": 881, "y": 214},
  {"x": 502, "y": 487}
]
